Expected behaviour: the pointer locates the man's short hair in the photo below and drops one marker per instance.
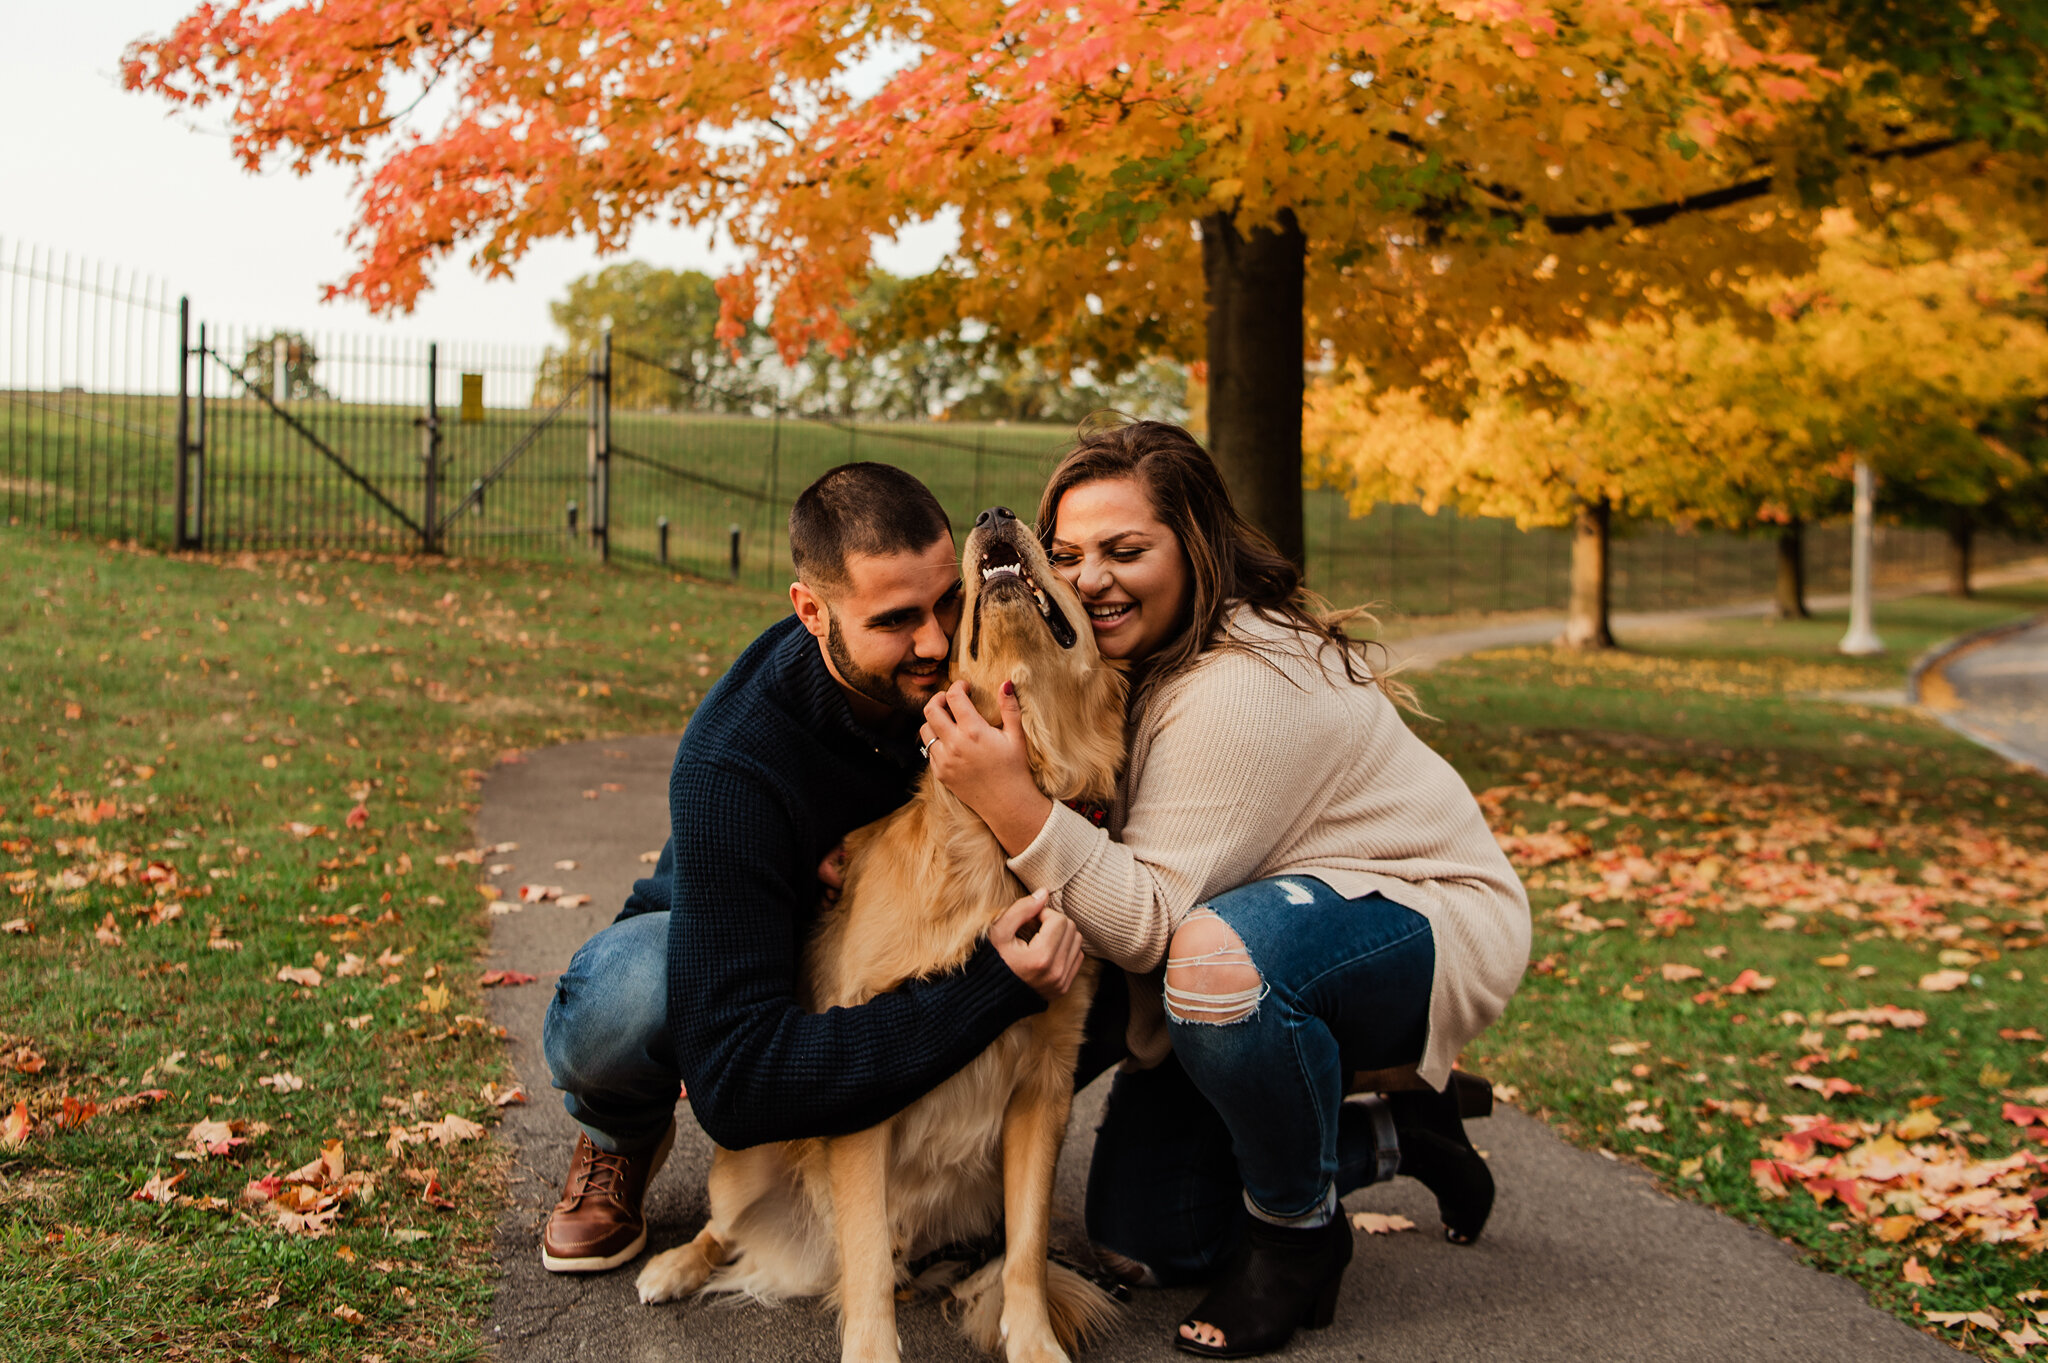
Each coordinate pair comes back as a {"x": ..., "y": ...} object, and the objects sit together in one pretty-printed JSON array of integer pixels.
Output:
[{"x": 863, "y": 508}]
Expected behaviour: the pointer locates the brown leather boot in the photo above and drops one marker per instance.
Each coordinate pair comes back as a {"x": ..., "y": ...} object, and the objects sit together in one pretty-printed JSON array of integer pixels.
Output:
[{"x": 599, "y": 1223}]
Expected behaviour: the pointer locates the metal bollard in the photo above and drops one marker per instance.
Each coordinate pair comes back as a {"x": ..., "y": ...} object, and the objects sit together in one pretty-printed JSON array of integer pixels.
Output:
[
  {"x": 476, "y": 492},
  {"x": 733, "y": 533},
  {"x": 661, "y": 529},
  {"x": 572, "y": 518}
]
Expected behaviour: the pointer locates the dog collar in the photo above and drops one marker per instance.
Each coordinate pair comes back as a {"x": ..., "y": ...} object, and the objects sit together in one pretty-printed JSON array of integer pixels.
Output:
[{"x": 1093, "y": 813}]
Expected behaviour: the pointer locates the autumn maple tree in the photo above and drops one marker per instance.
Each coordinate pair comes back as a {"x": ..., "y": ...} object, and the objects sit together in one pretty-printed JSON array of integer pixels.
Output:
[{"x": 1236, "y": 182}]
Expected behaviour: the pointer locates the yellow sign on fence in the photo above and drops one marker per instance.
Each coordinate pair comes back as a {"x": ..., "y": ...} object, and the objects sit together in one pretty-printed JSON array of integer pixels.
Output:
[{"x": 472, "y": 397}]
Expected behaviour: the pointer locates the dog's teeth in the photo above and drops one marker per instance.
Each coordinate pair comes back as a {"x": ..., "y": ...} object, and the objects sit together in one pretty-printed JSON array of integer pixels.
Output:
[{"x": 1002, "y": 570}]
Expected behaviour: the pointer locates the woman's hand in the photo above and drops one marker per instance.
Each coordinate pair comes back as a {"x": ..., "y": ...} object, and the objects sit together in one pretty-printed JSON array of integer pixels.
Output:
[{"x": 986, "y": 766}]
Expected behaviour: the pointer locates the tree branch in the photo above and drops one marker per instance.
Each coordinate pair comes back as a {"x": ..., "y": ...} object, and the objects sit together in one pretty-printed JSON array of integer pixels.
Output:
[{"x": 1649, "y": 215}]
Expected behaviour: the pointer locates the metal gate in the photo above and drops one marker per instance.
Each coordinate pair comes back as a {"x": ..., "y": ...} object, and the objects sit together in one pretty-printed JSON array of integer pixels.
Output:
[{"x": 284, "y": 440}]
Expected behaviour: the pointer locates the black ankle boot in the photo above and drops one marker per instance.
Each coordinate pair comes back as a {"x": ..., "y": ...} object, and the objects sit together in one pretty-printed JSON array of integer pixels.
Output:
[
  {"x": 1279, "y": 1280},
  {"x": 1436, "y": 1152}
]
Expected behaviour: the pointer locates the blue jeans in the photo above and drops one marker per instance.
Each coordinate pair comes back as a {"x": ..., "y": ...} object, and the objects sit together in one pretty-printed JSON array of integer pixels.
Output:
[
  {"x": 1254, "y": 1107},
  {"x": 606, "y": 1036}
]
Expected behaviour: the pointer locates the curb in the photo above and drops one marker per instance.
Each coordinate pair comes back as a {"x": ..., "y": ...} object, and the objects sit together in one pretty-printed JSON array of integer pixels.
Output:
[
  {"x": 1936, "y": 654},
  {"x": 1947, "y": 649}
]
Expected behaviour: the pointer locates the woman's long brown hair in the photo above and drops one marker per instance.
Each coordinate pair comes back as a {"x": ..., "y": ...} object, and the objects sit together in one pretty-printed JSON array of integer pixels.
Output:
[{"x": 1229, "y": 559}]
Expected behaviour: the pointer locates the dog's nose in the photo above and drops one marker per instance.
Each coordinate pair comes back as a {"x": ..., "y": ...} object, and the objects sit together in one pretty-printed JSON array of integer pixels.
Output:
[{"x": 995, "y": 515}]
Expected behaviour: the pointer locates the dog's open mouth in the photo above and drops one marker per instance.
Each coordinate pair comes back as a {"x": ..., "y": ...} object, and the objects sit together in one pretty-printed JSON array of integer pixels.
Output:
[{"x": 1003, "y": 569}]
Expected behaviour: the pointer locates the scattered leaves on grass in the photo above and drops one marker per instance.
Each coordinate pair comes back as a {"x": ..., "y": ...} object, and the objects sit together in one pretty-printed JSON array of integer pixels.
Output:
[
  {"x": 504, "y": 979},
  {"x": 1878, "y": 1174},
  {"x": 16, "y": 1126},
  {"x": 1943, "y": 981},
  {"x": 503, "y": 1097},
  {"x": 210, "y": 1137},
  {"x": 309, "y": 1200},
  {"x": 450, "y": 1130},
  {"x": 306, "y": 976},
  {"x": 282, "y": 1082},
  {"x": 158, "y": 1188},
  {"x": 24, "y": 1059}
]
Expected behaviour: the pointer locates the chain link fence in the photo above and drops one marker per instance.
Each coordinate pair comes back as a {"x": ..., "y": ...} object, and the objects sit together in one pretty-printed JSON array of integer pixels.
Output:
[{"x": 122, "y": 416}]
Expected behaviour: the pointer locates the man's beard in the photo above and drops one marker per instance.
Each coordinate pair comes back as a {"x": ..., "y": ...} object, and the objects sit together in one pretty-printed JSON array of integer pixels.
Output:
[{"x": 884, "y": 689}]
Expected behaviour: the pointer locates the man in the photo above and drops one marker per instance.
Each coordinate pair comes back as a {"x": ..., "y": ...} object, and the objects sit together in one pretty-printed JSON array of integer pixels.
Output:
[{"x": 810, "y": 735}]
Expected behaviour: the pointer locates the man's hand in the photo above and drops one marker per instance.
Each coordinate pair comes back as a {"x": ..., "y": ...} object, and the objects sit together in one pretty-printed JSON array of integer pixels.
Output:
[
  {"x": 832, "y": 874},
  {"x": 1041, "y": 946}
]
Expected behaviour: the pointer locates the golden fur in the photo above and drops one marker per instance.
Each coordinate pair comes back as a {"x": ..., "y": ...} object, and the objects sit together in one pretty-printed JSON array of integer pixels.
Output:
[{"x": 840, "y": 1217}]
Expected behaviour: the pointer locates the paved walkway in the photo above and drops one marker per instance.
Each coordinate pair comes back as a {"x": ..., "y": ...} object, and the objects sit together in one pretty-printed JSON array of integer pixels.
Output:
[
  {"x": 1584, "y": 1259},
  {"x": 1996, "y": 692}
]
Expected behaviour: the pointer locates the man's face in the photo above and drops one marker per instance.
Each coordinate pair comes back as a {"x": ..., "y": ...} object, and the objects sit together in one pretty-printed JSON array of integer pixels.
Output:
[{"x": 886, "y": 632}]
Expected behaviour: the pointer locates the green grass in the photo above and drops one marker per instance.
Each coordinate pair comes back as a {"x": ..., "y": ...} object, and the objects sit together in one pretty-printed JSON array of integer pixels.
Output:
[
  {"x": 1706, "y": 740},
  {"x": 215, "y": 703},
  {"x": 406, "y": 677}
]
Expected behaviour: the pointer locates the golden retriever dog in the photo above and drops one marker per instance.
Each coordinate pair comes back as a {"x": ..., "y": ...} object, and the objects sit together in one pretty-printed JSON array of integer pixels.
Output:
[{"x": 843, "y": 1216}]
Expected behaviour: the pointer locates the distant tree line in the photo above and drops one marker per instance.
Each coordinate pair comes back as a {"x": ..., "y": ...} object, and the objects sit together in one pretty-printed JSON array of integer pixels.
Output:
[{"x": 668, "y": 357}]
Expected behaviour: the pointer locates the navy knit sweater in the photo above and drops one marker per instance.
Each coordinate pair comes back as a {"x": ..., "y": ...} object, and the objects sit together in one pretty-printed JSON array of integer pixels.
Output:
[{"x": 772, "y": 773}]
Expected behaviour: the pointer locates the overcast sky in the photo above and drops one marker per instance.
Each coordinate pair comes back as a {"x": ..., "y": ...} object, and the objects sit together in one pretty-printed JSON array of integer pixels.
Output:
[{"x": 121, "y": 178}]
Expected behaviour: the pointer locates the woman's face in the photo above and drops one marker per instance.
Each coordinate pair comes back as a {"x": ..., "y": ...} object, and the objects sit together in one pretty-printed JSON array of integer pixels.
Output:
[{"x": 1127, "y": 566}]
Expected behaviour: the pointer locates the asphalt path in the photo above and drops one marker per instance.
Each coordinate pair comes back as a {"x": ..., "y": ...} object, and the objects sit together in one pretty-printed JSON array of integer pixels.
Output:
[
  {"x": 1585, "y": 1259},
  {"x": 1997, "y": 693}
]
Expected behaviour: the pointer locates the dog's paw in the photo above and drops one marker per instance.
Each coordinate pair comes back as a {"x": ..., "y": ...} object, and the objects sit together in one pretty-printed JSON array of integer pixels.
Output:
[
  {"x": 673, "y": 1273},
  {"x": 1034, "y": 1344}
]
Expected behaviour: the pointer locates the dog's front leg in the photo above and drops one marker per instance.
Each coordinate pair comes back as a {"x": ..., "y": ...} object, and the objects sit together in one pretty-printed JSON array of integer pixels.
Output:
[
  {"x": 1034, "y": 1126},
  {"x": 858, "y": 1167}
]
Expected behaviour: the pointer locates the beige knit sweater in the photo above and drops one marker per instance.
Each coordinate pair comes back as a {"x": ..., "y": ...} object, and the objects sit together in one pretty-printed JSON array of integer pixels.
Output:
[{"x": 1273, "y": 762}]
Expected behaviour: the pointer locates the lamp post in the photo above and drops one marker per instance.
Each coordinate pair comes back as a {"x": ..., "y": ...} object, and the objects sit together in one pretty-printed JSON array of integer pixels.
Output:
[{"x": 1861, "y": 641}]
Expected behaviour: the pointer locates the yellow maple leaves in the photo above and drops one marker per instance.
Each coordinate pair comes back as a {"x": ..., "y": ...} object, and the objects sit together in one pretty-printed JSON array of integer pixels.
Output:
[{"x": 1887, "y": 350}]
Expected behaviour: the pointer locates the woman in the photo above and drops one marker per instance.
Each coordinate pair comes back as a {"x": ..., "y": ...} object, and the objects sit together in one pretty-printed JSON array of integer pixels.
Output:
[{"x": 1319, "y": 886}]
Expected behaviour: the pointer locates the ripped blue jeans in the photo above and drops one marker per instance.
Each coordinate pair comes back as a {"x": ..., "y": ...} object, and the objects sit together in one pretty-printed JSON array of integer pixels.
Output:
[{"x": 1334, "y": 985}]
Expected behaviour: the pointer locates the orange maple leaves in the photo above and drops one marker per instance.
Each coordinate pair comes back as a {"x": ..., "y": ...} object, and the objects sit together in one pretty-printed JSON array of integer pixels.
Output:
[{"x": 806, "y": 132}]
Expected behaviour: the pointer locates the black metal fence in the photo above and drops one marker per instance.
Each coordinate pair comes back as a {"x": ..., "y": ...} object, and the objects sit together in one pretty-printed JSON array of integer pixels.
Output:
[{"x": 127, "y": 417}]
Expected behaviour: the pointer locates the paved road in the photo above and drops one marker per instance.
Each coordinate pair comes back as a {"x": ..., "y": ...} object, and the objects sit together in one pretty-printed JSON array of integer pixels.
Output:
[
  {"x": 1997, "y": 693},
  {"x": 1585, "y": 1259}
]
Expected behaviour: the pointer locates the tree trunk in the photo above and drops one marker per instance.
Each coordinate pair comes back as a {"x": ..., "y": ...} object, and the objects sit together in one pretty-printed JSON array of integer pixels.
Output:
[
  {"x": 1962, "y": 540},
  {"x": 1585, "y": 624},
  {"x": 1254, "y": 286},
  {"x": 1791, "y": 604}
]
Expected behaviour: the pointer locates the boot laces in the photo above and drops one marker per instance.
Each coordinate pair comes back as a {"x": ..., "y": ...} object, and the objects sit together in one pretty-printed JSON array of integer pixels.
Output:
[{"x": 603, "y": 1174}]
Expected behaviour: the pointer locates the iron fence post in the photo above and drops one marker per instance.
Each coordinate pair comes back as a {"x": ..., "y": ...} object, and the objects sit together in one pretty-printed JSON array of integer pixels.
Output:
[
  {"x": 601, "y": 447},
  {"x": 661, "y": 533},
  {"x": 774, "y": 483},
  {"x": 733, "y": 535},
  {"x": 181, "y": 465},
  {"x": 199, "y": 508},
  {"x": 430, "y": 528}
]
